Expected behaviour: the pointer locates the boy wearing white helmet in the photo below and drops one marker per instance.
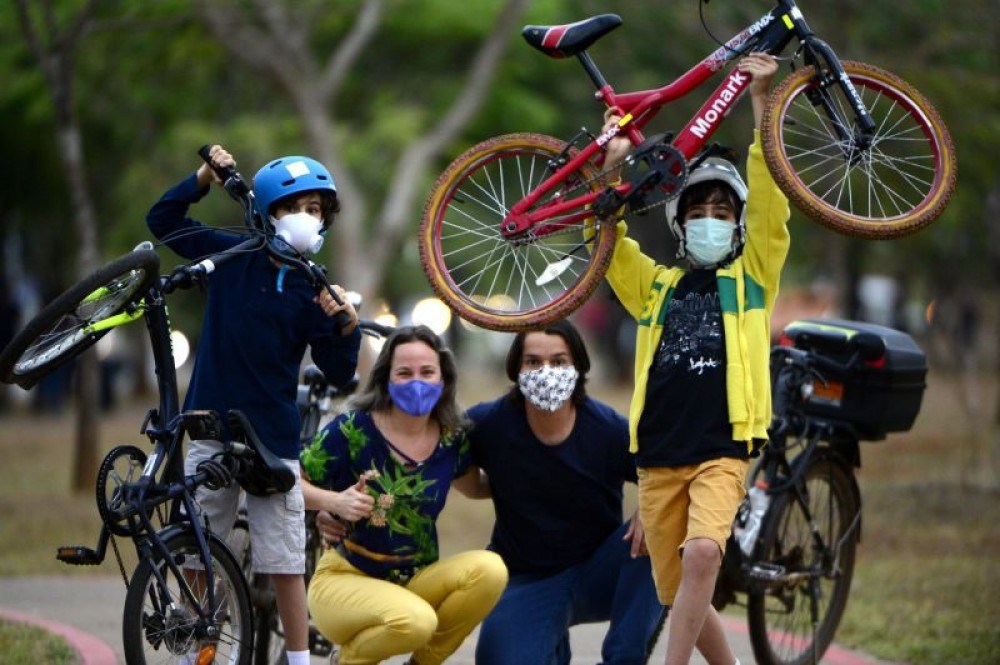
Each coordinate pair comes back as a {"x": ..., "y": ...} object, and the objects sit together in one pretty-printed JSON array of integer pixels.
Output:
[
  {"x": 259, "y": 319},
  {"x": 702, "y": 382}
]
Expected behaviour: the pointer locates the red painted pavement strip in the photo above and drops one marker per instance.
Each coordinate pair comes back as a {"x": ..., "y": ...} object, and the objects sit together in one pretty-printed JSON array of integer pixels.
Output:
[
  {"x": 92, "y": 651},
  {"x": 834, "y": 655}
]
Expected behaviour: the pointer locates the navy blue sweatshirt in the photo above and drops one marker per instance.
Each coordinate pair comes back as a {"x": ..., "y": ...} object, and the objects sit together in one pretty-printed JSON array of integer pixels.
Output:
[{"x": 254, "y": 336}]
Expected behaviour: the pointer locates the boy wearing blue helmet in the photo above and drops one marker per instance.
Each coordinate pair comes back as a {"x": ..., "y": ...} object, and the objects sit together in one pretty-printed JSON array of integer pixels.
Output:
[{"x": 259, "y": 319}]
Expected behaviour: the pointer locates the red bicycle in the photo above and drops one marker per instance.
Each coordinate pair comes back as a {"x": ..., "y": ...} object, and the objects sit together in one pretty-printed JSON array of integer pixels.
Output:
[{"x": 519, "y": 229}]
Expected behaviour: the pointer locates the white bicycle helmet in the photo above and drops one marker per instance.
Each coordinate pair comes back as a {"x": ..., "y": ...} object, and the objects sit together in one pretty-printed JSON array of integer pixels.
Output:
[{"x": 713, "y": 168}]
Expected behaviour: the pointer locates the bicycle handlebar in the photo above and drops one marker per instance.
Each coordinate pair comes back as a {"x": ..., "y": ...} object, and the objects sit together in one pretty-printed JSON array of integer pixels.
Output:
[
  {"x": 231, "y": 179},
  {"x": 811, "y": 361}
]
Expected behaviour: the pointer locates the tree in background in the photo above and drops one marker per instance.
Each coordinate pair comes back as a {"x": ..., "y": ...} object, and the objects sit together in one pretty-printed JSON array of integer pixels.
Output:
[
  {"x": 277, "y": 39},
  {"x": 54, "y": 42}
]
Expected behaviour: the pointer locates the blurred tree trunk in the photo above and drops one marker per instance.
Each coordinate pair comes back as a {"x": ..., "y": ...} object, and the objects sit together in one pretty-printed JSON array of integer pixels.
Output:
[
  {"x": 314, "y": 85},
  {"x": 992, "y": 214},
  {"x": 54, "y": 48}
]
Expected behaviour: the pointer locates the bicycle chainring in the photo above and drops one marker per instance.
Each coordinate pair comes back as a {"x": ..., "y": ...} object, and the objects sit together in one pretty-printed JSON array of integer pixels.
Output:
[{"x": 658, "y": 172}]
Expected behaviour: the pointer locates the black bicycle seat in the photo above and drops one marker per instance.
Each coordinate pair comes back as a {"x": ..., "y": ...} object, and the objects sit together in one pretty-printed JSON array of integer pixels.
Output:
[
  {"x": 263, "y": 472},
  {"x": 561, "y": 41}
]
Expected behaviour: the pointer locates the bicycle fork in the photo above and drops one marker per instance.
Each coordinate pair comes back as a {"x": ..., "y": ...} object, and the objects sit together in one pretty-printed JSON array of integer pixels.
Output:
[{"x": 854, "y": 142}]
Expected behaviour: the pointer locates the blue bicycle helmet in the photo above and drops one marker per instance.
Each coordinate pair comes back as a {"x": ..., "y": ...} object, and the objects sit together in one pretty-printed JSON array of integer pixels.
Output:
[{"x": 286, "y": 176}]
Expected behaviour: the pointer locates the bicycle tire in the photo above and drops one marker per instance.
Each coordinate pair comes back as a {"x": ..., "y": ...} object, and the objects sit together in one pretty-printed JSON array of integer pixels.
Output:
[
  {"x": 779, "y": 612},
  {"x": 899, "y": 186},
  {"x": 151, "y": 635},
  {"x": 122, "y": 465},
  {"x": 59, "y": 332},
  {"x": 501, "y": 284}
]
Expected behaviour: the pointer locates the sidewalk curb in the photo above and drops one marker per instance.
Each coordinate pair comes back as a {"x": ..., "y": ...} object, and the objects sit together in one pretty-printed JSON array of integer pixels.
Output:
[
  {"x": 834, "y": 655},
  {"x": 92, "y": 651}
]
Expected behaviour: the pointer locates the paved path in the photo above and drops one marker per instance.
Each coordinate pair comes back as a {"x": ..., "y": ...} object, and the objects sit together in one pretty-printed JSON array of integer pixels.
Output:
[{"x": 87, "y": 611}]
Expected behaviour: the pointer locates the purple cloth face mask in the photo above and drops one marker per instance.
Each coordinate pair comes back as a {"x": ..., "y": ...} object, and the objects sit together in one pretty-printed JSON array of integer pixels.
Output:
[{"x": 417, "y": 398}]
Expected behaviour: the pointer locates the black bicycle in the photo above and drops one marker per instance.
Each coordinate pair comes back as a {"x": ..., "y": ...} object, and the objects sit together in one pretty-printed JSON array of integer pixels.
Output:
[
  {"x": 793, "y": 548},
  {"x": 187, "y": 595}
]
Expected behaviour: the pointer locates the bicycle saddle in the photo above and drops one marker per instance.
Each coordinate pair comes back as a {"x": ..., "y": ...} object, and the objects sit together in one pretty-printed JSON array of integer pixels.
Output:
[
  {"x": 560, "y": 41},
  {"x": 263, "y": 472}
]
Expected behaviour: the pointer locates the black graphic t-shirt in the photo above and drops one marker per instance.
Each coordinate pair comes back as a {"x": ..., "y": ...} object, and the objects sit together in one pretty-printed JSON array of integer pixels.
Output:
[{"x": 685, "y": 419}]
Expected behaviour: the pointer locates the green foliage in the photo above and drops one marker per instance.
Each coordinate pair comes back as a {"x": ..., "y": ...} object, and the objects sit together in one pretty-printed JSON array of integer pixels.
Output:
[{"x": 314, "y": 458}]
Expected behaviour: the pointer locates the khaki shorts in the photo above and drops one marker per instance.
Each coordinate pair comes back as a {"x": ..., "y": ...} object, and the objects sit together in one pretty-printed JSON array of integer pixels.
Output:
[
  {"x": 277, "y": 523},
  {"x": 678, "y": 504}
]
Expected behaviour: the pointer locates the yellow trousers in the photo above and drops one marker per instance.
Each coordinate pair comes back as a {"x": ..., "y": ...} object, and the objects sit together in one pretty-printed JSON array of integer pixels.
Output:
[{"x": 430, "y": 616}]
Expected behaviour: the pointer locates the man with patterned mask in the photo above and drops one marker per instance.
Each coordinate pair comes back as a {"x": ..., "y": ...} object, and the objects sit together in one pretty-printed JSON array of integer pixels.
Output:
[{"x": 555, "y": 462}]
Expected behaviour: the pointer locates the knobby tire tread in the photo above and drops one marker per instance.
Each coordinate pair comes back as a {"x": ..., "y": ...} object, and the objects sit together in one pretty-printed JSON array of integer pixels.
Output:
[
  {"x": 464, "y": 165},
  {"x": 838, "y": 477},
  {"x": 68, "y": 301},
  {"x": 133, "y": 635},
  {"x": 802, "y": 197}
]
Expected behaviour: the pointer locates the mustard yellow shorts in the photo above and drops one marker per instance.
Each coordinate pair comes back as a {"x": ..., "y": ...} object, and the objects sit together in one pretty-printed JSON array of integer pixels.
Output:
[{"x": 678, "y": 504}]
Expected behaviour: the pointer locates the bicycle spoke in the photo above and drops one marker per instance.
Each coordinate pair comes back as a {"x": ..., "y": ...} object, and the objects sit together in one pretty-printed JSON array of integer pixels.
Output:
[{"x": 881, "y": 177}]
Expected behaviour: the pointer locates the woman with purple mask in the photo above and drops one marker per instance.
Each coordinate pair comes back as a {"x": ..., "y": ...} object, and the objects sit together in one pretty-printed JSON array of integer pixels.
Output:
[{"x": 384, "y": 467}]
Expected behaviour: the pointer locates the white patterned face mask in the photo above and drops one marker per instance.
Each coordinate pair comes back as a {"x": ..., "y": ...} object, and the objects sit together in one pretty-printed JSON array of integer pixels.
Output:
[{"x": 548, "y": 387}]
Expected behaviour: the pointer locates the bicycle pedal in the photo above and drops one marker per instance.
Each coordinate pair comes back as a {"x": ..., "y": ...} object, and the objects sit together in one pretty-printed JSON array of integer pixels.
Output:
[
  {"x": 766, "y": 572},
  {"x": 78, "y": 555}
]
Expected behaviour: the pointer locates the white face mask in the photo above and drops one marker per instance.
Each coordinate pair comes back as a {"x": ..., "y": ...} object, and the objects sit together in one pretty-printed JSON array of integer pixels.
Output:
[
  {"x": 708, "y": 240},
  {"x": 299, "y": 230},
  {"x": 548, "y": 387}
]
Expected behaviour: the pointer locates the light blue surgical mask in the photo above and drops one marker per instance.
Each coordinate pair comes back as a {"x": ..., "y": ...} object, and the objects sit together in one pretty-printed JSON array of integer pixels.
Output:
[{"x": 708, "y": 240}]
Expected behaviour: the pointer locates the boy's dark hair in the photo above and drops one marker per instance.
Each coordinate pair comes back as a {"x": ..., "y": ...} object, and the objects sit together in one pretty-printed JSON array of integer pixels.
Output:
[
  {"x": 710, "y": 191},
  {"x": 577, "y": 349},
  {"x": 328, "y": 201},
  {"x": 375, "y": 396}
]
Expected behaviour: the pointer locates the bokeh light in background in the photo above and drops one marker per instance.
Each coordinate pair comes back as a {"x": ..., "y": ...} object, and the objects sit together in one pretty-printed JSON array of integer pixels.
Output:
[
  {"x": 384, "y": 317},
  {"x": 432, "y": 313},
  {"x": 181, "y": 346}
]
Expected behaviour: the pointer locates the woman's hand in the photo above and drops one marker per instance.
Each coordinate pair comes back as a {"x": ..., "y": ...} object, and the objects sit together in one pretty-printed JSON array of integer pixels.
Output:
[
  {"x": 219, "y": 159},
  {"x": 353, "y": 503},
  {"x": 331, "y": 308}
]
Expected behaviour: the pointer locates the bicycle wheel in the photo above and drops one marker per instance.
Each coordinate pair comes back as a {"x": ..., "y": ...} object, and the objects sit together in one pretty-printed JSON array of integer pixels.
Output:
[
  {"x": 893, "y": 188},
  {"x": 121, "y": 466},
  {"x": 160, "y": 626},
  {"x": 810, "y": 573},
  {"x": 517, "y": 283},
  {"x": 65, "y": 327}
]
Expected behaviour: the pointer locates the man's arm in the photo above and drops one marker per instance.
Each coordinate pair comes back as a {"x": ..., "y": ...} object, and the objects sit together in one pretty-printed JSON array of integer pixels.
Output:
[{"x": 473, "y": 483}]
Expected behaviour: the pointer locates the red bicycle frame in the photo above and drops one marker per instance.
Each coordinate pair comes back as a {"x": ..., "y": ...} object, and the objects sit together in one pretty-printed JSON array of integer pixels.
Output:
[{"x": 771, "y": 33}]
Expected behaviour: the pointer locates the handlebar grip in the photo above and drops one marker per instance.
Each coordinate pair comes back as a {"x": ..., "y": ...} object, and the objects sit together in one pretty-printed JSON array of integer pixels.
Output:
[{"x": 231, "y": 179}]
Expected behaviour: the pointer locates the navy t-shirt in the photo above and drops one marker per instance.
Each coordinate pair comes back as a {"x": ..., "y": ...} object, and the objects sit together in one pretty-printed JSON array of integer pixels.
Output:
[
  {"x": 685, "y": 419},
  {"x": 555, "y": 504},
  {"x": 254, "y": 335}
]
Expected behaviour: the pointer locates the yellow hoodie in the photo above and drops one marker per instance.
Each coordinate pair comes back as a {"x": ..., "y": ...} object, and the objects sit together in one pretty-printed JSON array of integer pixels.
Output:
[{"x": 747, "y": 291}]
